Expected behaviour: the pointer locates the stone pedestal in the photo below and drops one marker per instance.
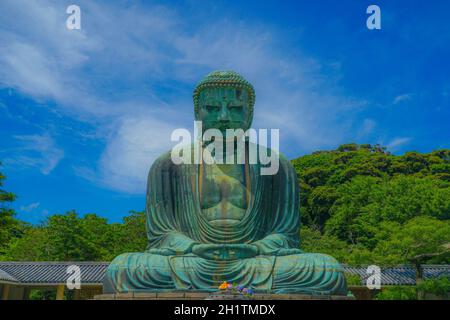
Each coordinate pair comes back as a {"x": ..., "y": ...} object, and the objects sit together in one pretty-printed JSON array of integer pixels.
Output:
[{"x": 175, "y": 295}]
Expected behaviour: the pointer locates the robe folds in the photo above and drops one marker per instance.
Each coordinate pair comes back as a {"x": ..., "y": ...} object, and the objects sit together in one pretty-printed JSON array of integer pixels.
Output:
[{"x": 271, "y": 222}]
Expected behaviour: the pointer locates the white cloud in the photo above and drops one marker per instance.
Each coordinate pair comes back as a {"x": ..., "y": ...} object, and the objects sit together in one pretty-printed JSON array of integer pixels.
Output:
[
  {"x": 30, "y": 207},
  {"x": 126, "y": 161},
  {"x": 39, "y": 55},
  {"x": 38, "y": 151},
  {"x": 403, "y": 97},
  {"x": 397, "y": 142},
  {"x": 366, "y": 129},
  {"x": 110, "y": 73},
  {"x": 28, "y": 70}
]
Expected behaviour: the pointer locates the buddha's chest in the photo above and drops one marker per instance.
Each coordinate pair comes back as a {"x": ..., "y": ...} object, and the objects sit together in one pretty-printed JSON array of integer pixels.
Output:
[{"x": 223, "y": 193}]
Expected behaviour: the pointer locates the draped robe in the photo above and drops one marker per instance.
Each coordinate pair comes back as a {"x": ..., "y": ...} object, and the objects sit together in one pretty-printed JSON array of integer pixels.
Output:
[{"x": 272, "y": 223}]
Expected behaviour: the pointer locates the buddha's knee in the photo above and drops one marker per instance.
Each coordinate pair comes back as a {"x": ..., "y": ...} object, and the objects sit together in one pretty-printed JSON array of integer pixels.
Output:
[
  {"x": 140, "y": 260},
  {"x": 311, "y": 273},
  {"x": 316, "y": 262},
  {"x": 134, "y": 271},
  {"x": 320, "y": 260}
]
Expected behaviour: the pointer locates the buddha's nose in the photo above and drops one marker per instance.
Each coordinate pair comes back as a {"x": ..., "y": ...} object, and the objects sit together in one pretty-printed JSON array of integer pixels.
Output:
[{"x": 224, "y": 114}]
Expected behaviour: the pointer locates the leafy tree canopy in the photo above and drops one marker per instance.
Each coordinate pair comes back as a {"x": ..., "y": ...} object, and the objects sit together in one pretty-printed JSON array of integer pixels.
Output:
[{"x": 364, "y": 205}]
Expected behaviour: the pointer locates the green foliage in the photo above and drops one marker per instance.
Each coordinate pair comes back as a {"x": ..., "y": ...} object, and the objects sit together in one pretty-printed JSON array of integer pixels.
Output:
[
  {"x": 364, "y": 205},
  {"x": 133, "y": 232},
  {"x": 9, "y": 226},
  {"x": 397, "y": 293},
  {"x": 352, "y": 279},
  {"x": 63, "y": 237},
  {"x": 314, "y": 241},
  {"x": 42, "y": 294},
  {"x": 67, "y": 236},
  {"x": 422, "y": 238},
  {"x": 32, "y": 245},
  {"x": 438, "y": 286}
]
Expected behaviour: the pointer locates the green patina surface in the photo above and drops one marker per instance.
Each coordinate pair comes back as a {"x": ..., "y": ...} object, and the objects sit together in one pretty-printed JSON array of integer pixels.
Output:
[{"x": 223, "y": 222}]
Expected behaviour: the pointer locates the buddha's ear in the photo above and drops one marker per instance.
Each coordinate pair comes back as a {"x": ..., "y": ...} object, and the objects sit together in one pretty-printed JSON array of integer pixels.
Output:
[
  {"x": 197, "y": 109},
  {"x": 249, "y": 117},
  {"x": 196, "y": 114},
  {"x": 249, "y": 107},
  {"x": 202, "y": 95}
]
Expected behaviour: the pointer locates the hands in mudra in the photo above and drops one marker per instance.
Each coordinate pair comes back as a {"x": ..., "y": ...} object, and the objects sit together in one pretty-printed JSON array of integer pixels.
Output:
[
  {"x": 213, "y": 251},
  {"x": 223, "y": 251}
]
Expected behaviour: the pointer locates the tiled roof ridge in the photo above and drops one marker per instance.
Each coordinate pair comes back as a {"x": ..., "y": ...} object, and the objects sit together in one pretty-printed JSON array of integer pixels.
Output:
[
  {"x": 400, "y": 266},
  {"x": 108, "y": 262},
  {"x": 7, "y": 277},
  {"x": 53, "y": 262},
  {"x": 93, "y": 272}
]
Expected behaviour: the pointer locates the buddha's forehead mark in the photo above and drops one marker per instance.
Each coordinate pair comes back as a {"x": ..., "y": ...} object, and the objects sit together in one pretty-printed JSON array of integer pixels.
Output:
[
  {"x": 221, "y": 93},
  {"x": 231, "y": 94},
  {"x": 225, "y": 93}
]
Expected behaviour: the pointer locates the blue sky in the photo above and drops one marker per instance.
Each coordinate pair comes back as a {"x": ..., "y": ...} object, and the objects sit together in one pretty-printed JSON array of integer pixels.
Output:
[{"x": 83, "y": 113}]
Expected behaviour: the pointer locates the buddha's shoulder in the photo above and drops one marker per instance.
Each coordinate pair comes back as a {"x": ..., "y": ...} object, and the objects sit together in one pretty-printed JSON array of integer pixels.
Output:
[{"x": 164, "y": 159}]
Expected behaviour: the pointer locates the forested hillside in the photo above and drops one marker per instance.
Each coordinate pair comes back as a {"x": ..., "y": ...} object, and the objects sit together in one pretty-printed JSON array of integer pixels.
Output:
[
  {"x": 359, "y": 203},
  {"x": 364, "y": 205}
]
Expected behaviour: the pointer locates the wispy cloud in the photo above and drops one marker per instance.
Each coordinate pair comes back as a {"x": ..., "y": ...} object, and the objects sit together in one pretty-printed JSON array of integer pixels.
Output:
[
  {"x": 127, "y": 159},
  {"x": 130, "y": 71},
  {"x": 38, "y": 151},
  {"x": 403, "y": 98},
  {"x": 398, "y": 142},
  {"x": 366, "y": 129},
  {"x": 30, "y": 207}
]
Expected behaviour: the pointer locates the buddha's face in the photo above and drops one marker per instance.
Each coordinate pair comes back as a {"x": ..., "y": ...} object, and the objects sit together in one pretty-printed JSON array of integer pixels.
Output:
[{"x": 224, "y": 108}]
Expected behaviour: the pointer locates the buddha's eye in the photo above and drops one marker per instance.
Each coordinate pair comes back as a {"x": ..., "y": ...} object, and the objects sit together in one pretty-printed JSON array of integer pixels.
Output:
[
  {"x": 212, "y": 108},
  {"x": 236, "y": 108}
]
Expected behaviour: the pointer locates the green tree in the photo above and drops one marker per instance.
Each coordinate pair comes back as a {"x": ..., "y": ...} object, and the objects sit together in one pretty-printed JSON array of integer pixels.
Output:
[
  {"x": 32, "y": 245},
  {"x": 398, "y": 293},
  {"x": 67, "y": 236},
  {"x": 64, "y": 237},
  {"x": 359, "y": 196},
  {"x": 364, "y": 202},
  {"x": 422, "y": 238},
  {"x": 10, "y": 227},
  {"x": 130, "y": 235},
  {"x": 354, "y": 255},
  {"x": 69, "y": 239}
]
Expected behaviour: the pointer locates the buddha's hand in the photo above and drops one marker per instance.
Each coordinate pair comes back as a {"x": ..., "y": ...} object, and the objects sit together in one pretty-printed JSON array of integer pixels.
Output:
[
  {"x": 169, "y": 251},
  {"x": 288, "y": 251},
  {"x": 162, "y": 251},
  {"x": 225, "y": 251}
]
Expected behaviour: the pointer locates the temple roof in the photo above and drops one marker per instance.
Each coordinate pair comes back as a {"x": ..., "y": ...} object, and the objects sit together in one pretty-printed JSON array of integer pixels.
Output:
[
  {"x": 52, "y": 273},
  {"x": 401, "y": 275},
  {"x": 6, "y": 277},
  {"x": 41, "y": 273}
]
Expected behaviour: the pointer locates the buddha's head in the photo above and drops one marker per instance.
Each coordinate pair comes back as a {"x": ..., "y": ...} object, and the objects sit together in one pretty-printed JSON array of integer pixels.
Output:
[{"x": 224, "y": 100}]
